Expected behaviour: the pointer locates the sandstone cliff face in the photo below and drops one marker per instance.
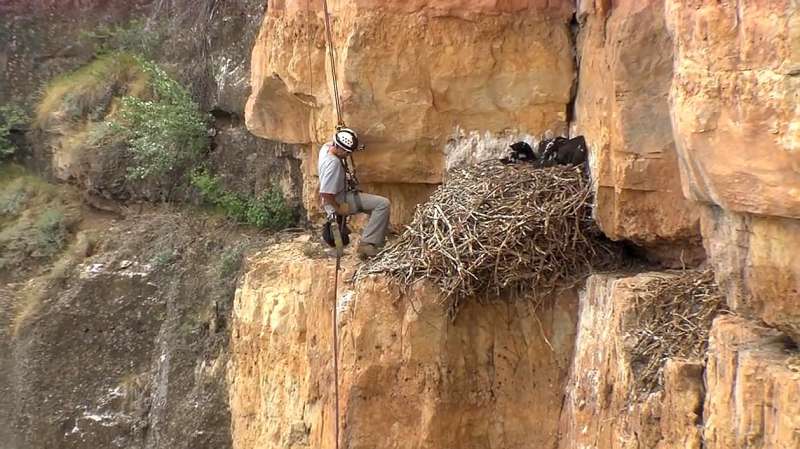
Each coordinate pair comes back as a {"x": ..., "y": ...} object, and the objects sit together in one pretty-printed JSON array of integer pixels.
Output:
[
  {"x": 753, "y": 379},
  {"x": 498, "y": 377},
  {"x": 756, "y": 262},
  {"x": 734, "y": 97},
  {"x": 733, "y": 108},
  {"x": 598, "y": 411},
  {"x": 412, "y": 75},
  {"x": 409, "y": 378},
  {"x": 622, "y": 108},
  {"x": 742, "y": 397},
  {"x": 431, "y": 84}
]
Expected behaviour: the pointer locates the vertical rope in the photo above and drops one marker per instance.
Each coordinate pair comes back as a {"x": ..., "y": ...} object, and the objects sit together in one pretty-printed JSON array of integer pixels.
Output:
[
  {"x": 310, "y": 28},
  {"x": 332, "y": 55},
  {"x": 339, "y": 123},
  {"x": 336, "y": 346}
]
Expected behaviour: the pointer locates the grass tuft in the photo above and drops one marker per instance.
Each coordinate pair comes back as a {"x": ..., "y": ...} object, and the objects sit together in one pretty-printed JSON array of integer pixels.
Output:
[{"x": 90, "y": 90}]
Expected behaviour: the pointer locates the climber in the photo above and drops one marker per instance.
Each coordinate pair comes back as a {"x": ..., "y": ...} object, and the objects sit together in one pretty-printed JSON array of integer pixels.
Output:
[{"x": 341, "y": 199}]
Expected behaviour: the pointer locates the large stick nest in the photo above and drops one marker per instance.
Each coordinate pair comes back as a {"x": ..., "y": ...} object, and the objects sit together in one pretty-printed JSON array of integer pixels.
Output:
[
  {"x": 494, "y": 229},
  {"x": 672, "y": 319}
]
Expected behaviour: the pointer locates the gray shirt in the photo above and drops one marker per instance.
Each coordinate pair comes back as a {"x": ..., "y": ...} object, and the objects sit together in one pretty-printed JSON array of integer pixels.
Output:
[{"x": 331, "y": 173}]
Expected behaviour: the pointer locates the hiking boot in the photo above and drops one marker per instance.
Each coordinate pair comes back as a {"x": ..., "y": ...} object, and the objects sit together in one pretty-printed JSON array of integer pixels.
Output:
[{"x": 367, "y": 250}]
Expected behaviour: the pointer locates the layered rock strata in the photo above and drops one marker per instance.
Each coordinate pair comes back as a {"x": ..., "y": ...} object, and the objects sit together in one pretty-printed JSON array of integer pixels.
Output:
[
  {"x": 753, "y": 379},
  {"x": 409, "y": 377},
  {"x": 742, "y": 397},
  {"x": 736, "y": 123},
  {"x": 411, "y": 76}
]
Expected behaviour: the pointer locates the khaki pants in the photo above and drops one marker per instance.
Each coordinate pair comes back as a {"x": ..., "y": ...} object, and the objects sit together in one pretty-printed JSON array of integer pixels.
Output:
[{"x": 378, "y": 209}]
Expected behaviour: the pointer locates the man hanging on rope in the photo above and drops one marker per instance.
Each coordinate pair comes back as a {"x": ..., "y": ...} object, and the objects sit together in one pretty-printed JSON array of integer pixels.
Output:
[{"x": 342, "y": 199}]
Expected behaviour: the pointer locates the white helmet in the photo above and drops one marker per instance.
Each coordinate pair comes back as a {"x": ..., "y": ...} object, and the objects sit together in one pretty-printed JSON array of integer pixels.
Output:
[{"x": 346, "y": 139}]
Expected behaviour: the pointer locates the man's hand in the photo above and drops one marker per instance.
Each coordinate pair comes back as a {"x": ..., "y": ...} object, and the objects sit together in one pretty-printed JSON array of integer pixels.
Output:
[{"x": 343, "y": 209}]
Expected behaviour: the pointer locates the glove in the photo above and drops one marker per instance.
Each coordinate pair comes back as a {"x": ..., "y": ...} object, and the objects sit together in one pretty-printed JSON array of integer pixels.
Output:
[{"x": 343, "y": 209}]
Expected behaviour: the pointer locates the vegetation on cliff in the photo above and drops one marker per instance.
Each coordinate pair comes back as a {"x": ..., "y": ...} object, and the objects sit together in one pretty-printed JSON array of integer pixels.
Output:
[
  {"x": 123, "y": 98},
  {"x": 165, "y": 130},
  {"x": 142, "y": 135},
  {"x": 12, "y": 118},
  {"x": 36, "y": 220},
  {"x": 268, "y": 210}
]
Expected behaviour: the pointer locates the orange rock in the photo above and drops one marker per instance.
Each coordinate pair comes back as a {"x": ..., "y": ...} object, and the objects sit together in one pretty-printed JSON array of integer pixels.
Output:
[
  {"x": 756, "y": 264},
  {"x": 681, "y": 409},
  {"x": 737, "y": 126},
  {"x": 412, "y": 76},
  {"x": 597, "y": 412},
  {"x": 457, "y": 8},
  {"x": 622, "y": 108},
  {"x": 409, "y": 377},
  {"x": 734, "y": 103},
  {"x": 752, "y": 388}
]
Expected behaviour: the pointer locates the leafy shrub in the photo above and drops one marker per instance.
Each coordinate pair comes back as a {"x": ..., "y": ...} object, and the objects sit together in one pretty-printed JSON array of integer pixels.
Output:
[
  {"x": 164, "y": 133},
  {"x": 269, "y": 210},
  {"x": 12, "y": 117}
]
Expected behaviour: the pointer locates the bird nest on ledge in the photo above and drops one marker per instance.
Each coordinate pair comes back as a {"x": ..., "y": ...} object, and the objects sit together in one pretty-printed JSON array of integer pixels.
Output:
[{"x": 494, "y": 229}]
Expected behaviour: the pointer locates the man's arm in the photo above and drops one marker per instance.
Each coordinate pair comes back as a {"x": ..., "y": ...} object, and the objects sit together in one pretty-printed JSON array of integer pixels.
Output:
[{"x": 330, "y": 199}]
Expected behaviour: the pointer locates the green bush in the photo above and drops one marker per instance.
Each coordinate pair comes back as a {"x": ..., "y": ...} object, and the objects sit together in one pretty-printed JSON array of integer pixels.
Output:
[
  {"x": 11, "y": 117},
  {"x": 269, "y": 210},
  {"x": 164, "y": 133}
]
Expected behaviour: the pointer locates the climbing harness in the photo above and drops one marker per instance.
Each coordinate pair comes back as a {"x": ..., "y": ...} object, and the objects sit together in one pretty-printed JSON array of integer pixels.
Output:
[{"x": 351, "y": 182}]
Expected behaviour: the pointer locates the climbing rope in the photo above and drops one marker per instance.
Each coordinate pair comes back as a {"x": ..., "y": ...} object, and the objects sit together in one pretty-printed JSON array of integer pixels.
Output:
[
  {"x": 335, "y": 227},
  {"x": 332, "y": 55},
  {"x": 337, "y": 235},
  {"x": 336, "y": 345}
]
